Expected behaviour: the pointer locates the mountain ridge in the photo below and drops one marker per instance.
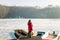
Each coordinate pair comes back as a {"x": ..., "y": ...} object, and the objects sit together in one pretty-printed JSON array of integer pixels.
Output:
[{"x": 32, "y": 12}]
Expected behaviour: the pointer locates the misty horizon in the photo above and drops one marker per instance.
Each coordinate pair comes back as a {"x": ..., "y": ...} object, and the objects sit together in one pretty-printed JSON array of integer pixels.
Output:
[{"x": 41, "y": 3}]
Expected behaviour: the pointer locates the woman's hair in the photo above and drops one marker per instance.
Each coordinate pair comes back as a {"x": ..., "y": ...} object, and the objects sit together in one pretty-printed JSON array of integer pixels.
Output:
[{"x": 29, "y": 20}]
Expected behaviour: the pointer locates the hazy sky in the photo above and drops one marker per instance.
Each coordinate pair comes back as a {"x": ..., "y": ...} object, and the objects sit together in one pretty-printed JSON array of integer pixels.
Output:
[{"x": 41, "y": 3}]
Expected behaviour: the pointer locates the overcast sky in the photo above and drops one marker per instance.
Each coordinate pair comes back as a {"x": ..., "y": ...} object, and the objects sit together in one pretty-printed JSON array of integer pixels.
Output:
[{"x": 41, "y": 3}]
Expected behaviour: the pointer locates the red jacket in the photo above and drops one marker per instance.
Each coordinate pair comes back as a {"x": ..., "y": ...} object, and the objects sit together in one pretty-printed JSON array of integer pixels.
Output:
[{"x": 30, "y": 26}]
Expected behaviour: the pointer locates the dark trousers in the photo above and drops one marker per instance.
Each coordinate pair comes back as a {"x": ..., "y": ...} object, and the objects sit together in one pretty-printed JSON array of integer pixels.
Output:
[{"x": 29, "y": 34}]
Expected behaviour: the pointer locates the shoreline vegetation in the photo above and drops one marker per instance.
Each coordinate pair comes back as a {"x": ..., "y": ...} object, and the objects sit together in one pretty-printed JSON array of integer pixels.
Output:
[{"x": 29, "y": 12}]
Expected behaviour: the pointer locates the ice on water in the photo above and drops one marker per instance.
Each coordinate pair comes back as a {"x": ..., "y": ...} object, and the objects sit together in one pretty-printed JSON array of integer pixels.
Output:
[{"x": 9, "y": 25}]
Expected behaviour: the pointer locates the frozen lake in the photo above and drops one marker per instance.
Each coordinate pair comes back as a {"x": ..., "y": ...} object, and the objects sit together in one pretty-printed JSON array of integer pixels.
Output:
[{"x": 9, "y": 25}]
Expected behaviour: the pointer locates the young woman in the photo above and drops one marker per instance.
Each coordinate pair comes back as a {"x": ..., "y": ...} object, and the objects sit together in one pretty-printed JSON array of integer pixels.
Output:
[{"x": 30, "y": 28}]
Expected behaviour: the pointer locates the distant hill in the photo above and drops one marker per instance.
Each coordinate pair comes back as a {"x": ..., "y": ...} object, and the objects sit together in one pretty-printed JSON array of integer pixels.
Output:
[
  {"x": 3, "y": 11},
  {"x": 32, "y": 12}
]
